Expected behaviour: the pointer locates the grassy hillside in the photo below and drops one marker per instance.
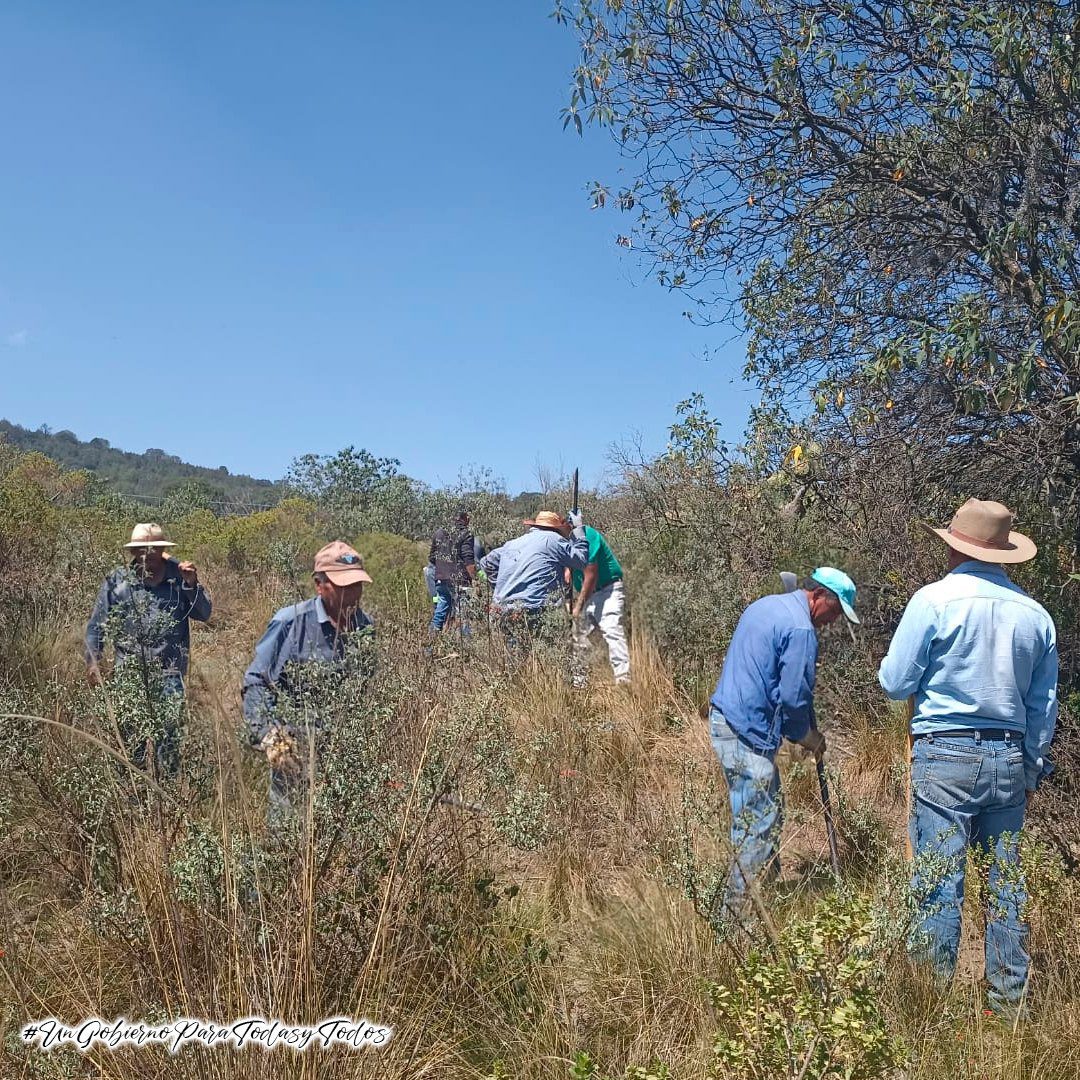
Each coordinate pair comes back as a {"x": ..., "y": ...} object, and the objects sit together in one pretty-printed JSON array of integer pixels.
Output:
[{"x": 150, "y": 474}]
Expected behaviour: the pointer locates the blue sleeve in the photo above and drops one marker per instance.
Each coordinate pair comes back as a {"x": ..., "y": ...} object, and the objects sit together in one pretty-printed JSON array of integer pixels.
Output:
[
  {"x": 260, "y": 680},
  {"x": 200, "y": 602},
  {"x": 905, "y": 663},
  {"x": 94, "y": 645},
  {"x": 490, "y": 563},
  {"x": 798, "y": 672},
  {"x": 1041, "y": 706},
  {"x": 576, "y": 551}
]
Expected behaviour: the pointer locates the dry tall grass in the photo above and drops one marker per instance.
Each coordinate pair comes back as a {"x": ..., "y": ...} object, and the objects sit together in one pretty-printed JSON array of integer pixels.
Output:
[{"x": 563, "y": 911}]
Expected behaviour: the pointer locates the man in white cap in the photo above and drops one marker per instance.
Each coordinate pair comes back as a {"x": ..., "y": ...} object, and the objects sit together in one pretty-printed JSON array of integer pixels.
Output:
[
  {"x": 765, "y": 694},
  {"x": 315, "y": 631},
  {"x": 144, "y": 608},
  {"x": 979, "y": 657}
]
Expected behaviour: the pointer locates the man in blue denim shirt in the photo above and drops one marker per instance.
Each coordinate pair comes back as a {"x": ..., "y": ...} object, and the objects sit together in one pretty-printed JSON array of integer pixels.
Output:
[
  {"x": 313, "y": 631},
  {"x": 766, "y": 694},
  {"x": 979, "y": 657}
]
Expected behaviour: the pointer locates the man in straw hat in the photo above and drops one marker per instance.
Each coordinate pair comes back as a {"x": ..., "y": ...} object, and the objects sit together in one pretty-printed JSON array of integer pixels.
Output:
[
  {"x": 979, "y": 656},
  {"x": 765, "y": 694},
  {"x": 145, "y": 607},
  {"x": 528, "y": 572},
  {"x": 315, "y": 631}
]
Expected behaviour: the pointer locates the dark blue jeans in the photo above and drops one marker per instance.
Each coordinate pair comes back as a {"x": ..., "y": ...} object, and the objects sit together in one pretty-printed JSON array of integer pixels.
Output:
[{"x": 969, "y": 791}]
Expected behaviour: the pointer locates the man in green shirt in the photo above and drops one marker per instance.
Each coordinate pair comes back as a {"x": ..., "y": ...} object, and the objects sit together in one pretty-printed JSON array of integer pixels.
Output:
[{"x": 600, "y": 604}]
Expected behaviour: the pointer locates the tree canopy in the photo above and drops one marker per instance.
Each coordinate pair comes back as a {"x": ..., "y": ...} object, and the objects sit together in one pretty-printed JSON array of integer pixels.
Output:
[{"x": 886, "y": 193}]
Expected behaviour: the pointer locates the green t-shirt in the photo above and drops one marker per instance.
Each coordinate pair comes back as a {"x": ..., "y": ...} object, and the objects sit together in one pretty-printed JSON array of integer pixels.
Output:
[{"x": 601, "y": 554}]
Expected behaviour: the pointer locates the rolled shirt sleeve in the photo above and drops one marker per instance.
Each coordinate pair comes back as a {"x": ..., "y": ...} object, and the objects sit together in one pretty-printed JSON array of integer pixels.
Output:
[
  {"x": 1041, "y": 706},
  {"x": 798, "y": 671},
  {"x": 260, "y": 680},
  {"x": 904, "y": 665}
]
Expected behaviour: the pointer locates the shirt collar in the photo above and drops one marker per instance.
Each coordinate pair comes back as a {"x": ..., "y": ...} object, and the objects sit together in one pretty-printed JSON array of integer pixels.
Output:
[
  {"x": 977, "y": 566},
  {"x": 323, "y": 617}
]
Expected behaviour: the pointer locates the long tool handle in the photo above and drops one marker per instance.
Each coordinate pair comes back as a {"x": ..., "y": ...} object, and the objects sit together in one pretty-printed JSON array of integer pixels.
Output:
[{"x": 830, "y": 827}]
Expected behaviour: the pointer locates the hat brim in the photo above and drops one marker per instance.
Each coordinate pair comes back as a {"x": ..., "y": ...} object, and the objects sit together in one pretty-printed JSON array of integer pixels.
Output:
[
  {"x": 546, "y": 525},
  {"x": 348, "y": 577},
  {"x": 1020, "y": 549},
  {"x": 849, "y": 611},
  {"x": 150, "y": 543}
]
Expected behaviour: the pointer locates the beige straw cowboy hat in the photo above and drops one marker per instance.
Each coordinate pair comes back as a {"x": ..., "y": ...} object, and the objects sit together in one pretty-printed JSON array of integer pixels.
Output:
[
  {"x": 147, "y": 534},
  {"x": 983, "y": 530},
  {"x": 547, "y": 519}
]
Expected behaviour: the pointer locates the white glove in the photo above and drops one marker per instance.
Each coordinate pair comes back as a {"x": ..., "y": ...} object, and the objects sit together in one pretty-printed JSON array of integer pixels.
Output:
[{"x": 575, "y": 519}]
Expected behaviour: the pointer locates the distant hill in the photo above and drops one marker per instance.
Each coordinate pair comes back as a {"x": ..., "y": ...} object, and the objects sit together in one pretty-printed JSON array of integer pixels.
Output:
[{"x": 149, "y": 475}]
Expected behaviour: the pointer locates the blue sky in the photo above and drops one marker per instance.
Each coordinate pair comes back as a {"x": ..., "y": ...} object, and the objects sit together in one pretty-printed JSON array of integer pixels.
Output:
[{"x": 241, "y": 232}]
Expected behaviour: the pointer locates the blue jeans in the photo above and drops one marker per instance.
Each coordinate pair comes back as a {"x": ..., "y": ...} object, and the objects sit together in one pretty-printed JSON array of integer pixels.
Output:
[
  {"x": 756, "y": 810},
  {"x": 448, "y": 600},
  {"x": 970, "y": 791}
]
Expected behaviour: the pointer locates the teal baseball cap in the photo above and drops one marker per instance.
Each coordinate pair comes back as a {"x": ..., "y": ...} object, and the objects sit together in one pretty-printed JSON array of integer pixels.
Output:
[{"x": 838, "y": 582}]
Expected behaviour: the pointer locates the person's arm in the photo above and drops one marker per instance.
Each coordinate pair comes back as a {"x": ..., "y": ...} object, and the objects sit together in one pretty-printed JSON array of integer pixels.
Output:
[
  {"x": 589, "y": 578},
  {"x": 1041, "y": 706},
  {"x": 195, "y": 596},
  {"x": 466, "y": 555},
  {"x": 576, "y": 548},
  {"x": 490, "y": 564},
  {"x": 94, "y": 643},
  {"x": 260, "y": 680},
  {"x": 906, "y": 661},
  {"x": 798, "y": 671}
]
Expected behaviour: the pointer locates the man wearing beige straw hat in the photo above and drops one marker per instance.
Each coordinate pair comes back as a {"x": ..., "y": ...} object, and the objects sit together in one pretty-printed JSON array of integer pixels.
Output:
[
  {"x": 151, "y": 586},
  {"x": 979, "y": 657},
  {"x": 315, "y": 631},
  {"x": 145, "y": 608},
  {"x": 528, "y": 573}
]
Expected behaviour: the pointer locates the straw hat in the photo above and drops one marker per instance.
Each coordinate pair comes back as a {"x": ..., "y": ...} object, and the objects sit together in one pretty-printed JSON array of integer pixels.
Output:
[
  {"x": 983, "y": 531},
  {"x": 548, "y": 519},
  {"x": 148, "y": 534}
]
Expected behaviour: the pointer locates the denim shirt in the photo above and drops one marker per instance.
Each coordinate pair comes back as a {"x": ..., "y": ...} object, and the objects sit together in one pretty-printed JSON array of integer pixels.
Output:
[
  {"x": 976, "y": 651},
  {"x": 151, "y": 620},
  {"x": 528, "y": 570},
  {"x": 766, "y": 686},
  {"x": 299, "y": 633}
]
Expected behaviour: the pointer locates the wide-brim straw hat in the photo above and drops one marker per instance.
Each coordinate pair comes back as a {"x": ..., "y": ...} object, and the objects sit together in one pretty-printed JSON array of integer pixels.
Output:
[
  {"x": 148, "y": 534},
  {"x": 547, "y": 519},
  {"x": 983, "y": 530}
]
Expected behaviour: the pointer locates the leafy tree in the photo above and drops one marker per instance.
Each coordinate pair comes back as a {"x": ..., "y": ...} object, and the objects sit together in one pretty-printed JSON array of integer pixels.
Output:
[
  {"x": 887, "y": 191},
  {"x": 352, "y": 486}
]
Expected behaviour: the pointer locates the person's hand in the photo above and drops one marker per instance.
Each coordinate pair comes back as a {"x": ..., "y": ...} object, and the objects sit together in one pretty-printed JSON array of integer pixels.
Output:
[
  {"x": 189, "y": 574},
  {"x": 814, "y": 743},
  {"x": 282, "y": 751},
  {"x": 575, "y": 519},
  {"x": 93, "y": 675}
]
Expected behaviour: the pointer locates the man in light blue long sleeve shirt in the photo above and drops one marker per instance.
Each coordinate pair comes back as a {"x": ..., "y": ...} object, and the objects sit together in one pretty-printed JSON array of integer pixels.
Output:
[
  {"x": 527, "y": 573},
  {"x": 979, "y": 657},
  {"x": 766, "y": 694}
]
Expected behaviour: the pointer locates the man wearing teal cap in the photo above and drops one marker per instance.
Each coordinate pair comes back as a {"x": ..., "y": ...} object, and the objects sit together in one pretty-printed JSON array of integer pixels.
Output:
[{"x": 766, "y": 694}]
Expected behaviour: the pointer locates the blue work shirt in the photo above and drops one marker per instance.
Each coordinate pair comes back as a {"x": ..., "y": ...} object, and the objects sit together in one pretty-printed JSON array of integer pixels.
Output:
[
  {"x": 528, "y": 570},
  {"x": 977, "y": 652},
  {"x": 297, "y": 634},
  {"x": 150, "y": 621},
  {"x": 766, "y": 686}
]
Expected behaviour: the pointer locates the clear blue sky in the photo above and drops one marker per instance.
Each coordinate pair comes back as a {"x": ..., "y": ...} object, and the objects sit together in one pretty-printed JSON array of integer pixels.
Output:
[{"x": 244, "y": 231}]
